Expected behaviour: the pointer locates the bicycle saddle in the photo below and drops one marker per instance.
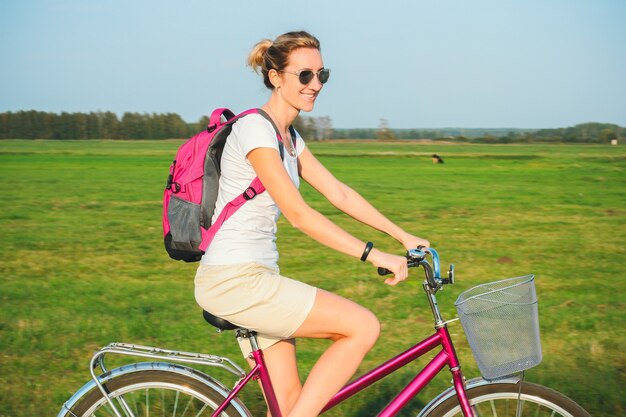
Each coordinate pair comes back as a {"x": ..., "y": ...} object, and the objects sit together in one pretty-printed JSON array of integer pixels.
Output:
[{"x": 218, "y": 322}]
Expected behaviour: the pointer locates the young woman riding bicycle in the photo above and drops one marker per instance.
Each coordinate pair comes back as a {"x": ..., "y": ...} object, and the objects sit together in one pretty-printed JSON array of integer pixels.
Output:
[{"x": 238, "y": 278}]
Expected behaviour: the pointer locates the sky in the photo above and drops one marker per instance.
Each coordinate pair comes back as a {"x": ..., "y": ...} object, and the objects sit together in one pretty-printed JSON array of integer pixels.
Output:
[{"x": 416, "y": 64}]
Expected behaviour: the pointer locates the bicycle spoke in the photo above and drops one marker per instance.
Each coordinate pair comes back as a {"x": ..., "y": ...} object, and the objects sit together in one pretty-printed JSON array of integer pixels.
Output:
[
  {"x": 493, "y": 409},
  {"x": 124, "y": 406},
  {"x": 201, "y": 410},
  {"x": 134, "y": 398},
  {"x": 176, "y": 404},
  {"x": 109, "y": 410},
  {"x": 186, "y": 407}
]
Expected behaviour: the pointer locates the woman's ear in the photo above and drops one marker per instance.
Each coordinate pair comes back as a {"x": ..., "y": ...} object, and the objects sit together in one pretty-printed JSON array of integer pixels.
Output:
[{"x": 274, "y": 77}]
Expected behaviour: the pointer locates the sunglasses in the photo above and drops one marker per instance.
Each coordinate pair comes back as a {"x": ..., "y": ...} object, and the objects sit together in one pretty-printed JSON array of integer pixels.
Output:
[{"x": 306, "y": 76}]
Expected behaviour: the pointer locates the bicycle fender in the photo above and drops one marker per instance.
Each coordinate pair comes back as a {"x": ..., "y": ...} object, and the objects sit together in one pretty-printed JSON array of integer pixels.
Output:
[
  {"x": 146, "y": 366},
  {"x": 451, "y": 392}
]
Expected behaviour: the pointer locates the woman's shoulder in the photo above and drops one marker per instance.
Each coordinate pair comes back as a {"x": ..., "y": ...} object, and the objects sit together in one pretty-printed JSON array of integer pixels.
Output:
[
  {"x": 254, "y": 122},
  {"x": 254, "y": 131}
]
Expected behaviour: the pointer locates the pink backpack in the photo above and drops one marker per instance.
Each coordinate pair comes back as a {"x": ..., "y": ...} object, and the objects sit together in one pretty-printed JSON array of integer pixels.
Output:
[{"x": 193, "y": 184}]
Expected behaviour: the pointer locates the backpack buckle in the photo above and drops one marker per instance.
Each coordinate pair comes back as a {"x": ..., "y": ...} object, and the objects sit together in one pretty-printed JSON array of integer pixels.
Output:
[
  {"x": 249, "y": 194},
  {"x": 174, "y": 187}
]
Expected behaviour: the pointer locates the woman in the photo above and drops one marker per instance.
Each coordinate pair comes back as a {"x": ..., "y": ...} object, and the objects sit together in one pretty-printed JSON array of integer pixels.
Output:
[{"x": 238, "y": 278}]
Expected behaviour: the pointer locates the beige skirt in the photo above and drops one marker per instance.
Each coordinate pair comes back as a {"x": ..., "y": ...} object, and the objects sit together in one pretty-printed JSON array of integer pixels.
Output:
[{"x": 255, "y": 297}]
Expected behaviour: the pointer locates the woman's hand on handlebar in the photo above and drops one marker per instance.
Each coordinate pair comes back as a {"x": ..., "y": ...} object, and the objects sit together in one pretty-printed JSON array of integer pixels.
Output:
[
  {"x": 396, "y": 264},
  {"x": 411, "y": 242}
]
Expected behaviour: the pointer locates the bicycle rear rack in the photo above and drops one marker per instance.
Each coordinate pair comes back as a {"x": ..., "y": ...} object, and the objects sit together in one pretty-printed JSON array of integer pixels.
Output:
[
  {"x": 159, "y": 353},
  {"x": 126, "y": 349}
]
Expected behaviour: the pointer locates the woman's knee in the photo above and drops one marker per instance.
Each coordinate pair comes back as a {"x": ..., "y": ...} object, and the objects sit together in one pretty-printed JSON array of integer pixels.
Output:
[
  {"x": 368, "y": 328},
  {"x": 334, "y": 317}
]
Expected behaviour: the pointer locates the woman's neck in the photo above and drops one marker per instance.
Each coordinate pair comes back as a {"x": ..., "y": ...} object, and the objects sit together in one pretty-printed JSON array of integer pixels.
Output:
[{"x": 281, "y": 112}]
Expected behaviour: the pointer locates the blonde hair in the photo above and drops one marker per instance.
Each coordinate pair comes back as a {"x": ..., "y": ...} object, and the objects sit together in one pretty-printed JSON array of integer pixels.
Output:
[{"x": 267, "y": 54}]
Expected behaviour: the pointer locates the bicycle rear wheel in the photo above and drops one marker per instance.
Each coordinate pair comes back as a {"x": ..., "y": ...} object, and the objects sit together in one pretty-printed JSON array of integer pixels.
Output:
[
  {"x": 501, "y": 400},
  {"x": 152, "y": 393}
]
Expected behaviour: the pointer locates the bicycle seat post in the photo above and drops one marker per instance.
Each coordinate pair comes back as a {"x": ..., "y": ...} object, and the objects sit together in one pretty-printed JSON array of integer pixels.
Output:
[{"x": 251, "y": 336}]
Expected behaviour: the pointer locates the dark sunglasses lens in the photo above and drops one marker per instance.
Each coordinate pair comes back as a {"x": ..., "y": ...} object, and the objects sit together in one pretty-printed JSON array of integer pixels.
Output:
[
  {"x": 306, "y": 76},
  {"x": 323, "y": 75}
]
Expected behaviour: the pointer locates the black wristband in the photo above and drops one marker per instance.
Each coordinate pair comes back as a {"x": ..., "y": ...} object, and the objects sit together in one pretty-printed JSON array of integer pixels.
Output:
[{"x": 368, "y": 248}]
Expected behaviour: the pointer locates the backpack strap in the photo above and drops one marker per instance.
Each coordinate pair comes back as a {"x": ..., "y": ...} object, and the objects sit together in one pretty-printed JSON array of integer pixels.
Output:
[
  {"x": 292, "y": 130},
  {"x": 281, "y": 147},
  {"x": 256, "y": 187}
]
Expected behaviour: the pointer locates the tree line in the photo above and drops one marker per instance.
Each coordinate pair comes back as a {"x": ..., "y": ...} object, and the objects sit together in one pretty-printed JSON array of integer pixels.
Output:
[
  {"x": 34, "y": 124},
  {"x": 581, "y": 133},
  {"x": 106, "y": 125},
  {"x": 94, "y": 125}
]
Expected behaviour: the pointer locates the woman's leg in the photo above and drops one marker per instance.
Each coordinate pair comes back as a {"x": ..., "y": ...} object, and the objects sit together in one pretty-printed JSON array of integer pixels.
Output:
[
  {"x": 354, "y": 330},
  {"x": 280, "y": 360}
]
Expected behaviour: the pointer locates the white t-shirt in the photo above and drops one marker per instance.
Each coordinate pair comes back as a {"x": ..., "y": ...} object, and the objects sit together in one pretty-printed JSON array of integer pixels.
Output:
[{"x": 249, "y": 235}]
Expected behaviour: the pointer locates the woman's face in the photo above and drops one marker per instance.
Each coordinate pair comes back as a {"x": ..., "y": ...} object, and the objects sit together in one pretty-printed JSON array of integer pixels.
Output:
[{"x": 298, "y": 95}]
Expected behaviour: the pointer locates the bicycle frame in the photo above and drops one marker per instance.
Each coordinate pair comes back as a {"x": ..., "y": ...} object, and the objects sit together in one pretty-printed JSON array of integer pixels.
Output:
[{"x": 446, "y": 356}]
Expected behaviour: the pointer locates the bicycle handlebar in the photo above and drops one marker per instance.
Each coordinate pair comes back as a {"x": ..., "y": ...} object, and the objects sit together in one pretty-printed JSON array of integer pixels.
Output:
[{"x": 417, "y": 257}]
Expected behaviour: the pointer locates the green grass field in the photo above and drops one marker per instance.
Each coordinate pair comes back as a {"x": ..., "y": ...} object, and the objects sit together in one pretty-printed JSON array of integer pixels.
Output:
[{"x": 82, "y": 262}]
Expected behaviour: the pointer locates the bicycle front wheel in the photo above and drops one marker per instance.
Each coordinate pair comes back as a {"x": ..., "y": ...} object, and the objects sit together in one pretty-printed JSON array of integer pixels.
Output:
[
  {"x": 152, "y": 393},
  {"x": 503, "y": 399}
]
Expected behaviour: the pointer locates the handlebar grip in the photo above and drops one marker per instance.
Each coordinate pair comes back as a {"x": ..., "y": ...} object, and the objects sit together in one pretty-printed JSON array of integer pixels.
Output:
[{"x": 383, "y": 271}]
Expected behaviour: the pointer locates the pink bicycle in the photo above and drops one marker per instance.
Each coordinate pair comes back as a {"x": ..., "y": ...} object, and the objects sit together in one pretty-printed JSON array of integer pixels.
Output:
[{"x": 499, "y": 320}]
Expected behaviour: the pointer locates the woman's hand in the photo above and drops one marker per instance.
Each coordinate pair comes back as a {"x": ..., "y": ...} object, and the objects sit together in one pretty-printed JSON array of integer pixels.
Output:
[
  {"x": 413, "y": 242},
  {"x": 396, "y": 264}
]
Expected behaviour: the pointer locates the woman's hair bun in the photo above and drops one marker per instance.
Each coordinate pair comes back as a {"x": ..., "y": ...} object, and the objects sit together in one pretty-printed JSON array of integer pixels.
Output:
[{"x": 257, "y": 55}]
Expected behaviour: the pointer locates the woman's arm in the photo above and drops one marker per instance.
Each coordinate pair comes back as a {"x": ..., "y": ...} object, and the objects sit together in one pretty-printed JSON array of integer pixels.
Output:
[
  {"x": 351, "y": 202},
  {"x": 269, "y": 168}
]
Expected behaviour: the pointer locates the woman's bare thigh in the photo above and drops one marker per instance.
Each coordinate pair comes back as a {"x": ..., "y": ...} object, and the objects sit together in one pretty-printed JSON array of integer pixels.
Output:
[{"x": 333, "y": 316}]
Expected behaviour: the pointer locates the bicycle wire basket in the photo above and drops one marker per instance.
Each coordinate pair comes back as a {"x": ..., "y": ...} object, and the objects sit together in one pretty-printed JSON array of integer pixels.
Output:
[{"x": 501, "y": 322}]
